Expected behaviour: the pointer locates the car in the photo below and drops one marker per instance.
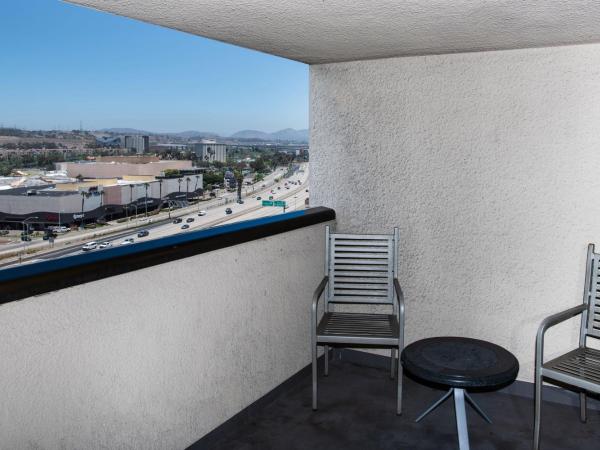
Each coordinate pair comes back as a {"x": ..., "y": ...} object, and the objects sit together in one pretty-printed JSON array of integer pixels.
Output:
[
  {"x": 240, "y": 201},
  {"x": 259, "y": 198},
  {"x": 143, "y": 233},
  {"x": 61, "y": 229},
  {"x": 105, "y": 244},
  {"x": 178, "y": 220},
  {"x": 189, "y": 219},
  {"x": 270, "y": 197},
  {"x": 213, "y": 194},
  {"x": 307, "y": 190},
  {"x": 264, "y": 185},
  {"x": 287, "y": 187},
  {"x": 228, "y": 211},
  {"x": 185, "y": 226},
  {"x": 127, "y": 241},
  {"x": 278, "y": 187},
  {"x": 202, "y": 213},
  {"x": 89, "y": 246}
]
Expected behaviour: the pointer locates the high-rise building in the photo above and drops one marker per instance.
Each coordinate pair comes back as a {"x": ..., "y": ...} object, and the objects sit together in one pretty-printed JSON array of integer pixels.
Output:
[
  {"x": 209, "y": 150},
  {"x": 140, "y": 144}
]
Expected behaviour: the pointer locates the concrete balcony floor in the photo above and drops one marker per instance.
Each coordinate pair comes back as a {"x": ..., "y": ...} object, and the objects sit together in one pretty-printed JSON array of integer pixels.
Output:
[{"x": 356, "y": 411}]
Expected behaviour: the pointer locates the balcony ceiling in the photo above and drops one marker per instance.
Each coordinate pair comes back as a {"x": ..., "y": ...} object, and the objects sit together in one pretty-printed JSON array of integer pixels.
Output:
[{"x": 322, "y": 31}]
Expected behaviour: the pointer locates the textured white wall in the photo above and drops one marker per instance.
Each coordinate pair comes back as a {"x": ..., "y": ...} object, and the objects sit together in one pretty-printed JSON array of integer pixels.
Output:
[
  {"x": 156, "y": 358},
  {"x": 490, "y": 165}
]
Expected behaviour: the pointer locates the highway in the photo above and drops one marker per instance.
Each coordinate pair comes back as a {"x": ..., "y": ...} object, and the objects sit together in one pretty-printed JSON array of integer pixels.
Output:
[{"x": 294, "y": 195}]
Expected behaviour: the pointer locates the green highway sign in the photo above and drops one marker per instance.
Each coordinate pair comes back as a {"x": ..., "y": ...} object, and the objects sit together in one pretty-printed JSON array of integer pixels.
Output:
[{"x": 279, "y": 203}]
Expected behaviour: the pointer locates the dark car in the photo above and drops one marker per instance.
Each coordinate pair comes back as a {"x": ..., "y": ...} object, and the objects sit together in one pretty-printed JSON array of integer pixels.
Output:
[
  {"x": 258, "y": 198},
  {"x": 185, "y": 226},
  {"x": 240, "y": 201},
  {"x": 189, "y": 219},
  {"x": 143, "y": 233},
  {"x": 178, "y": 220},
  {"x": 228, "y": 211}
]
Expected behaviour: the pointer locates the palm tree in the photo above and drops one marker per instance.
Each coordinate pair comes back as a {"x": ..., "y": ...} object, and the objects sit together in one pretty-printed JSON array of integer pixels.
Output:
[
  {"x": 239, "y": 178},
  {"x": 196, "y": 185},
  {"x": 187, "y": 189},
  {"x": 179, "y": 180},
  {"x": 146, "y": 185},
  {"x": 160, "y": 182},
  {"x": 130, "y": 199},
  {"x": 82, "y": 204}
]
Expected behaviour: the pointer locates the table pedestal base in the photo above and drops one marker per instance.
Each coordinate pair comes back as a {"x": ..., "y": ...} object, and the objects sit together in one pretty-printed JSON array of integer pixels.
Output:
[{"x": 461, "y": 416}]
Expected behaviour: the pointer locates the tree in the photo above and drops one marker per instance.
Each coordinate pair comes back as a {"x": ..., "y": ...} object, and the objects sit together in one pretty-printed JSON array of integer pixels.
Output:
[
  {"x": 258, "y": 165},
  {"x": 239, "y": 179},
  {"x": 160, "y": 182},
  {"x": 146, "y": 185}
]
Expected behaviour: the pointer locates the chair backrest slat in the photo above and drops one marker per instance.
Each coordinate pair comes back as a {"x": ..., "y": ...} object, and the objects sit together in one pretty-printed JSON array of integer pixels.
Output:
[
  {"x": 593, "y": 293},
  {"x": 361, "y": 267}
]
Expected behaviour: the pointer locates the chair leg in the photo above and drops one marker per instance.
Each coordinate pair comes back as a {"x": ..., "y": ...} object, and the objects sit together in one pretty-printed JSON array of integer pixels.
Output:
[
  {"x": 326, "y": 358},
  {"x": 538, "y": 409},
  {"x": 582, "y": 407},
  {"x": 314, "y": 377},
  {"x": 399, "y": 375},
  {"x": 392, "y": 363}
]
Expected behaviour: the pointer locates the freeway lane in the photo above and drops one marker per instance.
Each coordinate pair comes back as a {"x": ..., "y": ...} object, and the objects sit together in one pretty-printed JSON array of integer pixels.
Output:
[{"x": 251, "y": 208}]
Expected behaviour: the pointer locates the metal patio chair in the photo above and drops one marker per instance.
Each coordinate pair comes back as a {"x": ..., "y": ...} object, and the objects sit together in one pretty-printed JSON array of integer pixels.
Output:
[
  {"x": 359, "y": 269},
  {"x": 579, "y": 368}
]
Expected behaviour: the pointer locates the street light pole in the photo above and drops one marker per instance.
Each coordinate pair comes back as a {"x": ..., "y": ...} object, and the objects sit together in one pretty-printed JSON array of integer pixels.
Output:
[{"x": 25, "y": 235}]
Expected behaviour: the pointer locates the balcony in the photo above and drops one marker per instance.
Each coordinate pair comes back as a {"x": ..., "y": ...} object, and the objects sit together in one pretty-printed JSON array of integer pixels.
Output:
[{"x": 475, "y": 133}]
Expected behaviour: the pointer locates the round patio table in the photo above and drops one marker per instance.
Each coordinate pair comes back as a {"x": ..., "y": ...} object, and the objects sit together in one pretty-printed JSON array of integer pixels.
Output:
[{"x": 460, "y": 364}]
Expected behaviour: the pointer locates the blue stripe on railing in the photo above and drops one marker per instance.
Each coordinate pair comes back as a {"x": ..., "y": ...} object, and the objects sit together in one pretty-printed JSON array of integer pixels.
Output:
[{"x": 66, "y": 262}]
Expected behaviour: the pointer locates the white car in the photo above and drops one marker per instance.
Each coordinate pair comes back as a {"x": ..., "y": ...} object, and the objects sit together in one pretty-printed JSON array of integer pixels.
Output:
[
  {"x": 127, "y": 241},
  {"x": 105, "y": 244},
  {"x": 89, "y": 246},
  {"x": 61, "y": 229},
  {"x": 202, "y": 213}
]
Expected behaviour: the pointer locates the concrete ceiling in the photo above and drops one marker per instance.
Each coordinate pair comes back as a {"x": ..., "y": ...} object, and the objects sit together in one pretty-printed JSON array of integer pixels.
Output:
[{"x": 322, "y": 31}]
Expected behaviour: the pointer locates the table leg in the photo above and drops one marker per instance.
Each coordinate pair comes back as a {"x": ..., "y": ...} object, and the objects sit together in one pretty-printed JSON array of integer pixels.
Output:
[
  {"x": 461, "y": 419},
  {"x": 435, "y": 405}
]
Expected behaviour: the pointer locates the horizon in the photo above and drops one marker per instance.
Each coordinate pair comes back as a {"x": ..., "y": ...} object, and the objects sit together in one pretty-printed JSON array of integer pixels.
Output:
[
  {"x": 107, "y": 71},
  {"x": 108, "y": 130}
]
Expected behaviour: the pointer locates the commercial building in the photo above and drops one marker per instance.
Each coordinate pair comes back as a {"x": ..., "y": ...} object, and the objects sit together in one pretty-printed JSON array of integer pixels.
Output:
[
  {"x": 137, "y": 143},
  {"x": 209, "y": 150},
  {"x": 71, "y": 203},
  {"x": 120, "y": 167}
]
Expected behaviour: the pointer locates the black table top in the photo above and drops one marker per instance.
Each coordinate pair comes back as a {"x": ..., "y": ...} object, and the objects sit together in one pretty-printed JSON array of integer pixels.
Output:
[{"x": 460, "y": 362}]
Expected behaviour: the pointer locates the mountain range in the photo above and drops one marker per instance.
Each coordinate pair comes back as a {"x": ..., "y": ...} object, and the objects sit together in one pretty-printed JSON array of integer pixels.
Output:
[{"x": 287, "y": 134}]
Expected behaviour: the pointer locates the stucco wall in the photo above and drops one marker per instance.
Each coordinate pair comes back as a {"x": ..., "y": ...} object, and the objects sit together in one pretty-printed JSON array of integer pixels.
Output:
[
  {"x": 156, "y": 358},
  {"x": 488, "y": 162}
]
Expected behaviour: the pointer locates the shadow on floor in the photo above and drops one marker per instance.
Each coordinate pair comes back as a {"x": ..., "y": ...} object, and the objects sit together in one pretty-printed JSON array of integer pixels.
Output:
[{"x": 357, "y": 411}]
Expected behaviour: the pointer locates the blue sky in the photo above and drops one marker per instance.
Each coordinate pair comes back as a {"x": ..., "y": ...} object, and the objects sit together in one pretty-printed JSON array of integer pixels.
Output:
[{"x": 62, "y": 64}]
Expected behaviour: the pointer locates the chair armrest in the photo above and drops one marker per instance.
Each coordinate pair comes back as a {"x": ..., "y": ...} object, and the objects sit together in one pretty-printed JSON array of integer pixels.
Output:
[
  {"x": 315, "y": 300},
  {"x": 400, "y": 300},
  {"x": 550, "y": 321}
]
